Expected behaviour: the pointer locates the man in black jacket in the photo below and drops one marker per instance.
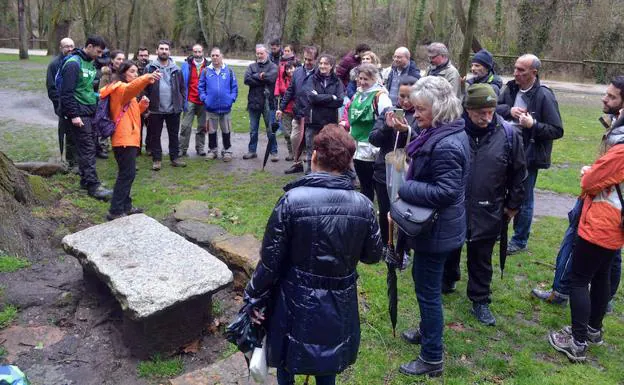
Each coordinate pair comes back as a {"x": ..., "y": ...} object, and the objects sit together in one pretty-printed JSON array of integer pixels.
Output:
[
  {"x": 494, "y": 193},
  {"x": 64, "y": 133},
  {"x": 295, "y": 91},
  {"x": 532, "y": 108},
  {"x": 260, "y": 77}
]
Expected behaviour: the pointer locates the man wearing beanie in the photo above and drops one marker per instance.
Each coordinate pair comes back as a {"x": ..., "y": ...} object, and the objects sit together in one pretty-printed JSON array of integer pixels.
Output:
[
  {"x": 533, "y": 109},
  {"x": 494, "y": 193},
  {"x": 482, "y": 68}
]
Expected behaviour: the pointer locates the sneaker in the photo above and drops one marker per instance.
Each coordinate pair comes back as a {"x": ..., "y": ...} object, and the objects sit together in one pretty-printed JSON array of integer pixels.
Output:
[
  {"x": 448, "y": 288},
  {"x": 101, "y": 193},
  {"x": 101, "y": 155},
  {"x": 178, "y": 163},
  {"x": 289, "y": 158},
  {"x": 412, "y": 336},
  {"x": 274, "y": 158},
  {"x": 212, "y": 154},
  {"x": 295, "y": 168},
  {"x": 201, "y": 153},
  {"x": 514, "y": 249},
  {"x": 112, "y": 217},
  {"x": 156, "y": 166},
  {"x": 134, "y": 210},
  {"x": 419, "y": 367},
  {"x": 250, "y": 155},
  {"x": 566, "y": 344},
  {"x": 226, "y": 156},
  {"x": 594, "y": 336},
  {"x": 550, "y": 296},
  {"x": 483, "y": 313}
]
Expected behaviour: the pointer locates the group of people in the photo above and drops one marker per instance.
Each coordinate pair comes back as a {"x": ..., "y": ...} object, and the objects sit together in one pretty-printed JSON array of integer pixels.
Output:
[{"x": 474, "y": 145}]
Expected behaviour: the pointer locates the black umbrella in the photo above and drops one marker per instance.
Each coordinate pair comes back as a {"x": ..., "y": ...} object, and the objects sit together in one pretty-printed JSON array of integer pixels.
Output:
[
  {"x": 243, "y": 333},
  {"x": 392, "y": 262},
  {"x": 502, "y": 252},
  {"x": 272, "y": 139}
]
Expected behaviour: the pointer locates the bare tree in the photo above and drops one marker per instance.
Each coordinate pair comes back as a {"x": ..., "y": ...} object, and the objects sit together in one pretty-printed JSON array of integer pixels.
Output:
[
  {"x": 59, "y": 25},
  {"x": 470, "y": 28},
  {"x": 23, "y": 34},
  {"x": 274, "y": 19},
  {"x": 461, "y": 19}
]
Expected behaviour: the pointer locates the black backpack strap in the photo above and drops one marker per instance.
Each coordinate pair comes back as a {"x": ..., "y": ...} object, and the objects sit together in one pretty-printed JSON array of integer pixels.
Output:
[{"x": 619, "y": 193}]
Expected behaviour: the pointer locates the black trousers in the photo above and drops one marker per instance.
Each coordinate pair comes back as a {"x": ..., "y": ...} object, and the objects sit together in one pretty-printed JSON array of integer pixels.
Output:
[
  {"x": 69, "y": 148},
  {"x": 364, "y": 171},
  {"x": 383, "y": 202},
  {"x": 591, "y": 264},
  {"x": 154, "y": 129},
  {"x": 479, "y": 261},
  {"x": 85, "y": 139},
  {"x": 126, "y": 172}
]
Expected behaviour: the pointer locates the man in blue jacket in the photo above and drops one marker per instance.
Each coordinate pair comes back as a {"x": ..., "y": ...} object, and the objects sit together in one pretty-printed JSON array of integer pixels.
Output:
[
  {"x": 193, "y": 107},
  {"x": 218, "y": 91}
]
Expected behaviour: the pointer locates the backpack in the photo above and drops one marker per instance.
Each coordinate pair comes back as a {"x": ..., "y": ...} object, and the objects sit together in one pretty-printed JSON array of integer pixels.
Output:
[
  {"x": 103, "y": 124},
  {"x": 58, "y": 78}
]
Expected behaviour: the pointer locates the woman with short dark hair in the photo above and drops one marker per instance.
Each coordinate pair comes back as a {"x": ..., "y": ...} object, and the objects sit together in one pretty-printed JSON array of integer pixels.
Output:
[{"x": 306, "y": 278}]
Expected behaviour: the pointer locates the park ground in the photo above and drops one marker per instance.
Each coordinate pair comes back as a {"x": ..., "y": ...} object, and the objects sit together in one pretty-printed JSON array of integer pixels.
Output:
[{"x": 33, "y": 289}]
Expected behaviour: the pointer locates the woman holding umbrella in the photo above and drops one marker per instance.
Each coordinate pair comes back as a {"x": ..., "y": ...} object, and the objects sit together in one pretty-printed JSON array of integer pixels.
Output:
[
  {"x": 436, "y": 179},
  {"x": 306, "y": 278}
]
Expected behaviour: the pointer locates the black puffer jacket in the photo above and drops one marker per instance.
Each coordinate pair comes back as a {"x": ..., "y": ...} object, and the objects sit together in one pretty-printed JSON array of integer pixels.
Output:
[
  {"x": 318, "y": 232},
  {"x": 261, "y": 90},
  {"x": 323, "y": 106},
  {"x": 497, "y": 172},
  {"x": 543, "y": 106}
]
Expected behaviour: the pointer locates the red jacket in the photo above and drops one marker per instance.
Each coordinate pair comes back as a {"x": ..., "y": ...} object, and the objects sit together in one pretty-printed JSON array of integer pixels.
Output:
[{"x": 601, "y": 218}]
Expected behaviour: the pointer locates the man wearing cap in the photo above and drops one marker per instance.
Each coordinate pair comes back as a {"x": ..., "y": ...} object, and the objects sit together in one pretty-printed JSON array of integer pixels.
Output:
[
  {"x": 482, "y": 69},
  {"x": 494, "y": 193}
]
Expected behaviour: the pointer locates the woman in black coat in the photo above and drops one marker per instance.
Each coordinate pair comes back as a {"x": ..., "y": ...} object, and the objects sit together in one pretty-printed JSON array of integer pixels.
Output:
[
  {"x": 437, "y": 179},
  {"x": 306, "y": 278}
]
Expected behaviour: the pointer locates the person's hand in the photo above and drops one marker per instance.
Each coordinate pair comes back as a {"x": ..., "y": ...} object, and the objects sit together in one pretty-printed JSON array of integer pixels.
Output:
[
  {"x": 154, "y": 76},
  {"x": 278, "y": 114},
  {"x": 390, "y": 119},
  {"x": 77, "y": 121},
  {"x": 261, "y": 76},
  {"x": 400, "y": 125},
  {"x": 257, "y": 317},
  {"x": 526, "y": 120},
  {"x": 343, "y": 124},
  {"x": 517, "y": 111},
  {"x": 144, "y": 101},
  {"x": 584, "y": 169},
  {"x": 510, "y": 213}
]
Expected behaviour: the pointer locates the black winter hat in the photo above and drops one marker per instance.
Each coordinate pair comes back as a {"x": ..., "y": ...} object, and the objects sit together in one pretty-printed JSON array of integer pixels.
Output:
[{"x": 484, "y": 58}]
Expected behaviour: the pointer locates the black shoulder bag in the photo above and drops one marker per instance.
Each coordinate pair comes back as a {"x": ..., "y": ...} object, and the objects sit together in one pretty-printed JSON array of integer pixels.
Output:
[
  {"x": 412, "y": 219},
  {"x": 619, "y": 193}
]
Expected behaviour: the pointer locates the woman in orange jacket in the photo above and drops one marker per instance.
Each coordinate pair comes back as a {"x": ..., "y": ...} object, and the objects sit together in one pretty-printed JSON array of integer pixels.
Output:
[
  {"x": 600, "y": 236},
  {"x": 126, "y": 111}
]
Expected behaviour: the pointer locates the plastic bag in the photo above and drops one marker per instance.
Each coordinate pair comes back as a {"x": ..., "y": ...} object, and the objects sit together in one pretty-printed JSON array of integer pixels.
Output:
[
  {"x": 396, "y": 167},
  {"x": 243, "y": 333},
  {"x": 258, "y": 365},
  {"x": 12, "y": 375}
]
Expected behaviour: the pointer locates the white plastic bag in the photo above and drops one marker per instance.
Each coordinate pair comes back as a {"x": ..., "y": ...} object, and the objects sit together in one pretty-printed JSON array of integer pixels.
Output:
[{"x": 258, "y": 364}]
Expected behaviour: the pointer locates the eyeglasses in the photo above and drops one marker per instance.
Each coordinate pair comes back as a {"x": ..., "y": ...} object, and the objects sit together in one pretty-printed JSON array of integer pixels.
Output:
[{"x": 432, "y": 57}]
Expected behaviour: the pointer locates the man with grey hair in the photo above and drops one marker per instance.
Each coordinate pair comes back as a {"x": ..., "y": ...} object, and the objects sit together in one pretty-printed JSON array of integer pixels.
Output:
[
  {"x": 192, "y": 68},
  {"x": 440, "y": 65},
  {"x": 533, "y": 109},
  {"x": 402, "y": 65},
  {"x": 260, "y": 77}
]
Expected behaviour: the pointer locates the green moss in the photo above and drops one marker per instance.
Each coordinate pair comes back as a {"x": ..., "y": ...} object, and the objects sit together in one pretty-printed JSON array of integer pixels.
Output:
[
  {"x": 7, "y": 316},
  {"x": 160, "y": 368}
]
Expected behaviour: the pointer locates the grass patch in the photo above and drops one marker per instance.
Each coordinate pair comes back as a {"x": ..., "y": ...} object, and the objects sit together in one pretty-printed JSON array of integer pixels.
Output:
[
  {"x": 20, "y": 144},
  {"x": 160, "y": 368},
  {"x": 7, "y": 315},
  {"x": 9, "y": 264}
]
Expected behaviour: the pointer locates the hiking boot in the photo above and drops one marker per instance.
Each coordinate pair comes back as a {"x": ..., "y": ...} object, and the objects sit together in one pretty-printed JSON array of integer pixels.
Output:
[
  {"x": 483, "y": 314},
  {"x": 412, "y": 336},
  {"x": 212, "y": 154},
  {"x": 226, "y": 156},
  {"x": 111, "y": 217},
  {"x": 514, "y": 249},
  {"x": 101, "y": 193},
  {"x": 250, "y": 155},
  {"x": 295, "y": 168},
  {"x": 201, "y": 153},
  {"x": 183, "y": 154},
  {"x": 566, "y": 344},
  {"x": 448, "y": 288},
  {"x": 550, "y": 296},
  {"x": 101, "y": 155},
  {"x": 178, "y": 163},
  {"x": 289, "y": 158},
  {"x": 594, "y": 336},
  {"x": 419, "y": 367},
  {"x": 134, "y": 210},
  {"x": 274, "y": 158},
  {"x": 156, "y": 166}
]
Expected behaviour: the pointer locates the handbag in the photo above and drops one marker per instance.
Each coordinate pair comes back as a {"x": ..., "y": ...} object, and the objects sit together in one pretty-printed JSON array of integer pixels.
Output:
[
  {"x": 396, "y": 166},
  {"x": 411, "y": 219}
]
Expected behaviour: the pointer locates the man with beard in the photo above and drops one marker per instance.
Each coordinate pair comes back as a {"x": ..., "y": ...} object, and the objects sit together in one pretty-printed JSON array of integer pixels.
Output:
[
  {"x": 193, "y": 106},
  {"x": 141, "y": 59},
  {"x": 167, "y": 97},
  {"x": 482, "y": 69}
]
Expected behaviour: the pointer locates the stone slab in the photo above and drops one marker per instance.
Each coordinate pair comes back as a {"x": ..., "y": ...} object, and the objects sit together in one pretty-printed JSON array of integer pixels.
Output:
[
  {"x": 18, "y": 339},
  {"x": 148, "y": 267},
  {"x": 230, "y": 371},
  {"x": 193, "y": 210}
]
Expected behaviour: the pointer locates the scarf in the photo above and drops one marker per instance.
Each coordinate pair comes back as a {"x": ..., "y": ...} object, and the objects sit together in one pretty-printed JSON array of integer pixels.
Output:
[{"x": 416, "y": 144}]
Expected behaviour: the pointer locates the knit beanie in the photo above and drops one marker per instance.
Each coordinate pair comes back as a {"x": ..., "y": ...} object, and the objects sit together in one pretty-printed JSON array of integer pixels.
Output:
[
  {"x": 480, "y": 96},
  {"x": 484, "y": 58}
]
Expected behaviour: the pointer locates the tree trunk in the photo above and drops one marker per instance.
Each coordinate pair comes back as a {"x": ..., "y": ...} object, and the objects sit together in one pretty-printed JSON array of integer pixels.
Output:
[
  {"x": 274, "y": 19},
  {"x": 129, "y": 27},
  {"x": 59, "y": 26},
  {"x": 461, "y": 19},
  {"x": 23, "y": 34},
  {"x": 470, "y": 28},
  {"x": 200, "y": 15},
  {"x": 86, "y": 23},
  {"x": 440, "y": 21}
]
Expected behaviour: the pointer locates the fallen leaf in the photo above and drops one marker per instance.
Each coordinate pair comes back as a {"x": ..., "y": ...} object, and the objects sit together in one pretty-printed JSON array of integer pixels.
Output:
[
  {"x": 457, "y": 326},
  {"x": 192, "y": 347}
]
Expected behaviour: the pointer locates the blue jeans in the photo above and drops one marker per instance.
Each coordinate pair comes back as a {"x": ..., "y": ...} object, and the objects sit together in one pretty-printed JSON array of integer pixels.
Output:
[
  {"x": 427, "y": 273},
  {"x": 285, "y": 378},
  {"x": 522, "y": 221},
  {"x": 254, "y": 124}
]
